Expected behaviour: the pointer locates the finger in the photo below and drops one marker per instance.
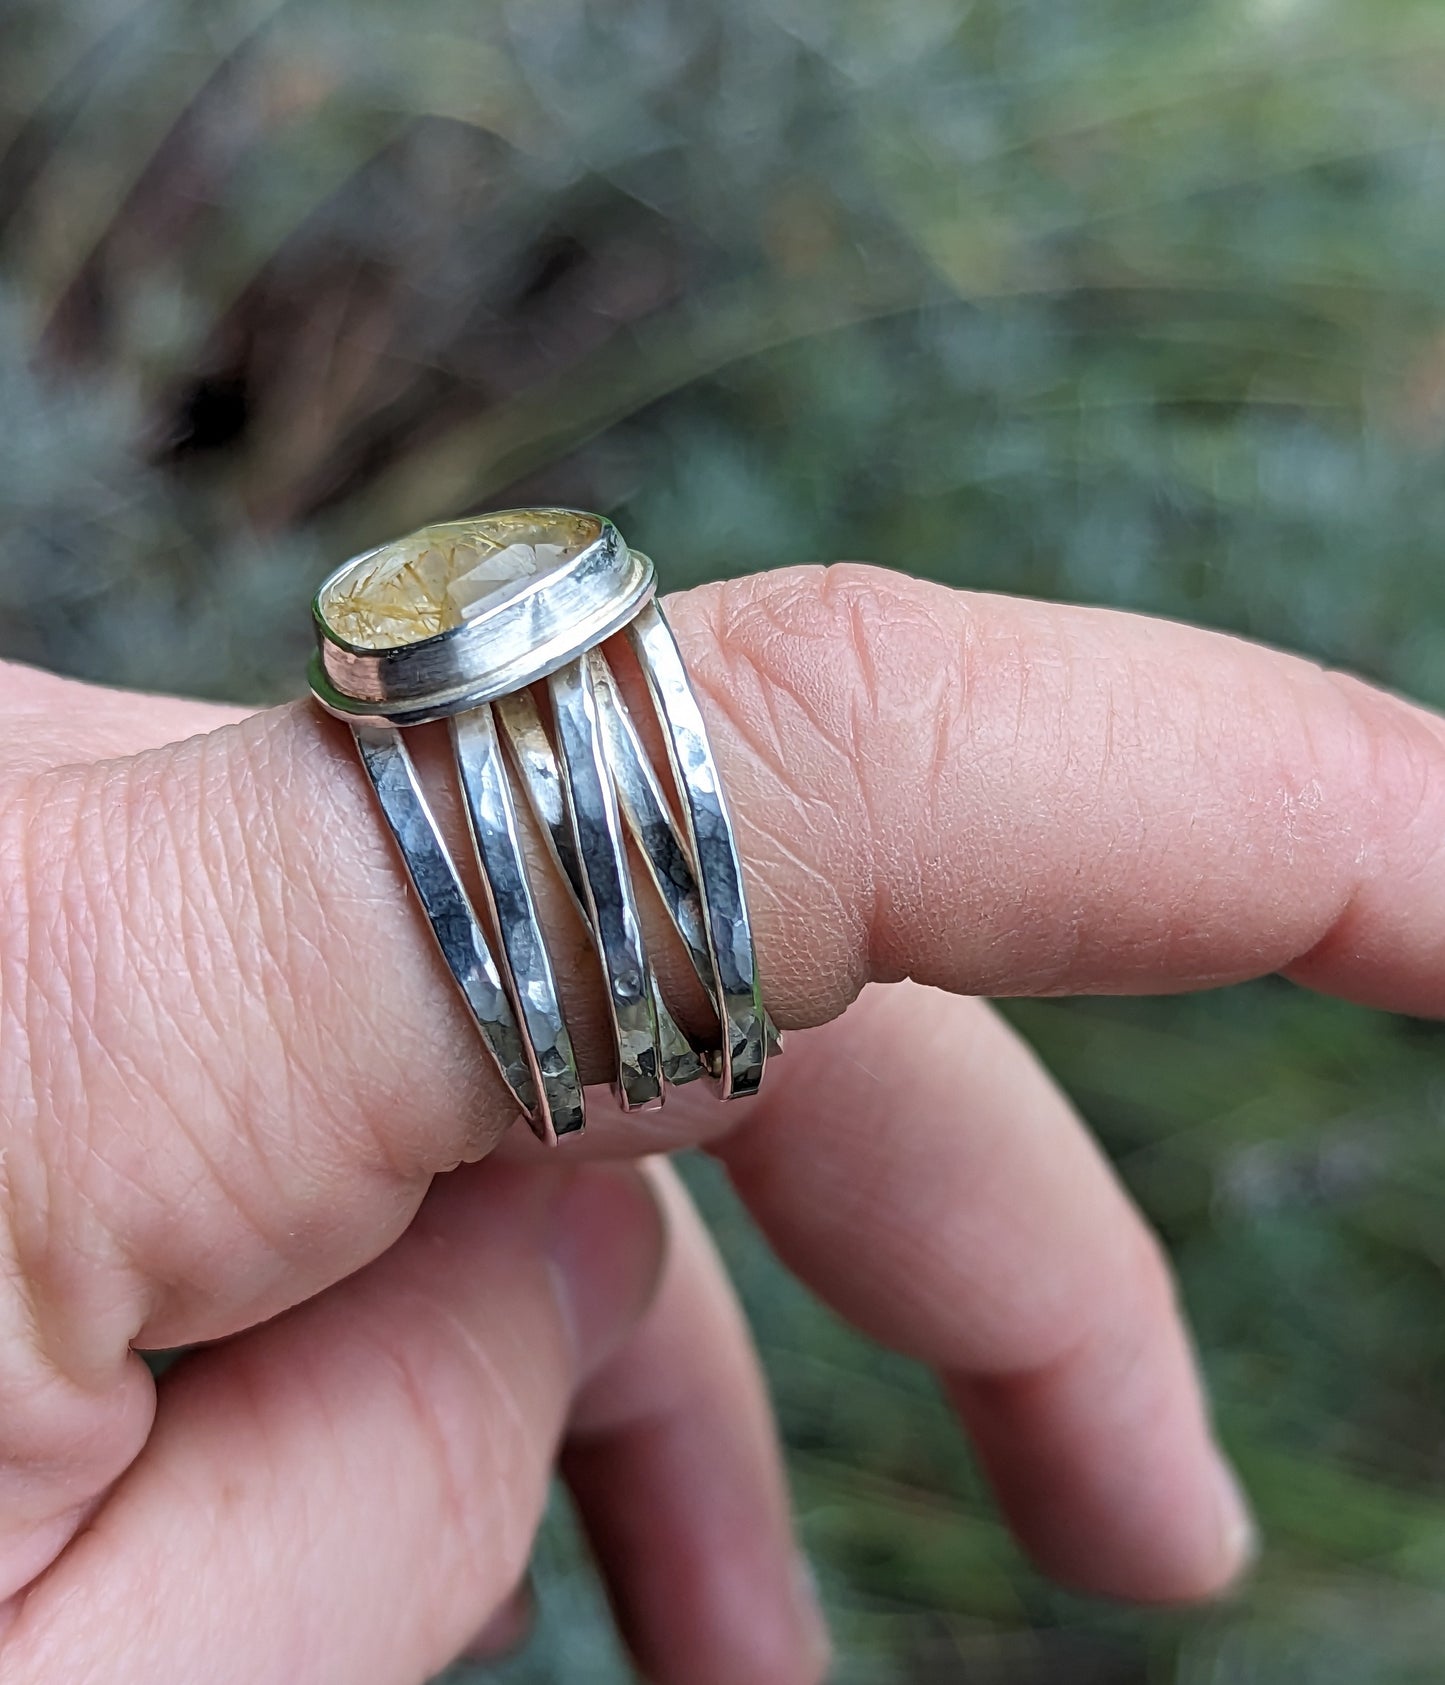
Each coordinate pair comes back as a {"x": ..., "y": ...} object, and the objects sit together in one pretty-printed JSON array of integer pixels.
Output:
[
  {"x": 349, "y": 1492},
  {"x": 51, "y": 721},
  {"x": 674, "y": 1464},
  {"x": 917, "y": 1168},
  {"x": 1003, "y": 797},
  {"x": 236, "y": 1058}
]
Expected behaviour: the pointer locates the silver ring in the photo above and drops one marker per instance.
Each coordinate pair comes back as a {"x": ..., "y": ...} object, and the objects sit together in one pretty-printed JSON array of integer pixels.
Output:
[
  {"x": 541, "y": 778},
  {"x": 525, "y": 960},
  {"x": 458, "y": 622}
]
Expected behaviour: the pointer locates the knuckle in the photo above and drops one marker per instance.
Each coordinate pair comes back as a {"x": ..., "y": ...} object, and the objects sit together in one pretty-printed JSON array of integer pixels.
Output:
[
  {"x": 482, "y": 1453},
  {"x": 73, "y": 1414},
  {"x": 55, "y": 1246},
  {"x": 842, "y": 701},
  {"x": 1147, "y": 1275},
  {"x": 212, "y": 1103},
  {"x": 1114, "y": 1334},
  {"x": 1390, "y": 755},
  {"x": 153, "y": 1043},
  {"x": 850, "y": 651}
]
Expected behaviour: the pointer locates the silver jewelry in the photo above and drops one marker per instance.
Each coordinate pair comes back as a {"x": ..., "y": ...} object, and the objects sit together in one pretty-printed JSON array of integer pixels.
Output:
[{"x": 459, "y": 622}]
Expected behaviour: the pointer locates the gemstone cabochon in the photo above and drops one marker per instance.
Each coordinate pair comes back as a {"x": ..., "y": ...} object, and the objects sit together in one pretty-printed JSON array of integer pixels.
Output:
[{"x": 443, "y": 576}]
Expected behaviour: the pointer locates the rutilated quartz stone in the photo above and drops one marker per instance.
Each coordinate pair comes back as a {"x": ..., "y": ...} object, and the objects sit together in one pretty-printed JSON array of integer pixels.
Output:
[{"x": 442, "y": 576}]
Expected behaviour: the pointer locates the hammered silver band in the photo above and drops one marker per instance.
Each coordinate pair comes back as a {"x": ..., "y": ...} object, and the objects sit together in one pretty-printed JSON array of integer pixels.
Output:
[{"x": 497, "y": 625}]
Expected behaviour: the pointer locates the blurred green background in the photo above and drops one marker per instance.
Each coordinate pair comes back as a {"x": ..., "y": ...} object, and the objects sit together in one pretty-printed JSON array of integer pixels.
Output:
[{"x": 1125, "y": 301}]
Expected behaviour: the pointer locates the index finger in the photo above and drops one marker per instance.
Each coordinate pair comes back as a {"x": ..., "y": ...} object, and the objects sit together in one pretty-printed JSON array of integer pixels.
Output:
[
  {"x": 1003, "y": 797},
  {"x": 233, "y": 1058},
  {"x": 224, "y": 974}
]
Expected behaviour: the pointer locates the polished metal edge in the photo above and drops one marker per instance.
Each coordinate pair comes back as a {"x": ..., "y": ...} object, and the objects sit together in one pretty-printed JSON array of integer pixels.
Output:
[
  {"x": 611, "y": 907},
  {"x": 443, "y": 705},
  {"x": 444, "y": 900},
  {"x": 713, "y": 849},
  {"x": 660, "y": 841},
  {"x": 524, "y": 958},
  {"x": 528, "y": 633},
  {"x": 540, "y": 776}
]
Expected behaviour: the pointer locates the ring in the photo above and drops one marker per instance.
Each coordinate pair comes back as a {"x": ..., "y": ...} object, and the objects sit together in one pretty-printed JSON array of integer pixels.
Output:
[{"x": 497, "y": 625}]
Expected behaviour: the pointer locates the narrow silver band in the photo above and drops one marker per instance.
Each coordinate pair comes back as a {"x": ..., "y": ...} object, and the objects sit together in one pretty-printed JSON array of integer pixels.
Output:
[
  {"x": 660, "y": 841},
  {"x": 726, "y": 927},
  {"x": 541, "y": 778},
  {"x": 527, "y": 964},
  {"x": 449, "y": 912},
  {"x": 585, "y": 774},
  {"x": 649, "y": 819},
  {"x": 607, "y": 887}
]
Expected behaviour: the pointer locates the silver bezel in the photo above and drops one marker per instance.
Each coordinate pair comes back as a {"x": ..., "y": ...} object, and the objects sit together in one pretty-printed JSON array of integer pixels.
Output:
[{"x": 529, "y": 632}]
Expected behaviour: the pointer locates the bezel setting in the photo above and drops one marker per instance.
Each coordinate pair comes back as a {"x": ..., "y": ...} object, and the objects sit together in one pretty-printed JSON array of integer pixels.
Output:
[{"x": 524, "y": 631}]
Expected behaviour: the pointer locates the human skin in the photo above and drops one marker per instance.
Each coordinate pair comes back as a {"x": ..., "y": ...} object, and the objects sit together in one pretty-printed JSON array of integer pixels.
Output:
[{"x": 232, "y": 1069}]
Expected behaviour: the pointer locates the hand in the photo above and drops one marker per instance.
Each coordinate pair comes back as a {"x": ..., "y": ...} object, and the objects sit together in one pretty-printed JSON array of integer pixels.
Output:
[{"x": 233, "y": 1064}]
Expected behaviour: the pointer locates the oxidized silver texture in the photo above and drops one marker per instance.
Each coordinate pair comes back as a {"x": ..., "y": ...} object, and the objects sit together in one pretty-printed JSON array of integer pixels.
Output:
[{"x": 588, "y": 782}]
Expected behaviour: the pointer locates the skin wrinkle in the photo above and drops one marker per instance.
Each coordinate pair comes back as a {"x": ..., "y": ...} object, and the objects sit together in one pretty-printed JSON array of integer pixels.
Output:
[
  {"x": 498, "y": 1364},
  {"x": 483, "y": 1542},
  {"x": 1091, "y": 1490},
  {"x": 263, "y": 983},
  {"x": 998, "y": 911},
  {"x": 1002, "y": 687},
  {"x": 128, "y": 985},
  {"x": 198, "y": 1163},
  {"x": 372, "y": 1485},
  {"x": 222, "y": 1004},
  {"x": 329, "y": 1406},
  {"x": 1026, "y": 690},
  {"x": 63, "y": 1277},
  {"x": 746, "y": 686},
  {"x": 1130, "y": 851},
  {"x": 188, "y": 1122},
  {"x": 21, "y": 1113},
  {"x": 744, "y": 680},
  {"x": 789, "y": 640},
  {"x": 191, "y": 1490},
  {"x": 1050, "y": 691},
  {"x": 276, "y": 1161},
  {"x": 882, "y": 705},
  {"x": 1117, "y": 1342},
  {"x": 1107, "y": 1358},
  {"x": 950, "y": 725},
  {"x": 310, "y": 803},
  {"x": 731, "y": 685},
  {"x": 471, "y": 1451},
  {"x": 321, "y": 1041},
  {"x": 1402, "y": 780},
  {"x": 1194, "y": 748},
  {"x": 1397, "y": 770},
  {"x": 789, "y": 645}
]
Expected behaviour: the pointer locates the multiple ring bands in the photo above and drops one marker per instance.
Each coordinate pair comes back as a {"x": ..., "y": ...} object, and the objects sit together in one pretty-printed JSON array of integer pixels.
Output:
[{"x": 459, "y": 623}]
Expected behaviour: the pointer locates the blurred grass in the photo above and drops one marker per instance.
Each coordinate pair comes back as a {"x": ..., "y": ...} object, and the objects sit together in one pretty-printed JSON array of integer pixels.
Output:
[{"x": 1125, "y": 301}]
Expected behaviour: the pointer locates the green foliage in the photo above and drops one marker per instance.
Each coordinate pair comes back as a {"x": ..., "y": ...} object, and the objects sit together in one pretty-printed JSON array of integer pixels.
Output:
[{"x": 1127, "y": 301}]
